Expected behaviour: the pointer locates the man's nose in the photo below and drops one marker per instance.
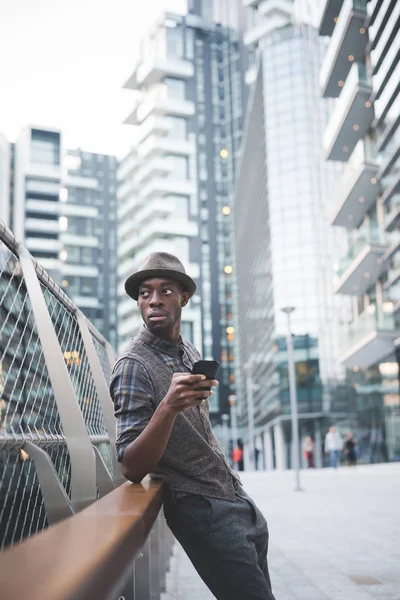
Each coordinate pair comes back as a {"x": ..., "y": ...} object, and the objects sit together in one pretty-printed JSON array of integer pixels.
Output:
[{"x": 156, "y": 299}]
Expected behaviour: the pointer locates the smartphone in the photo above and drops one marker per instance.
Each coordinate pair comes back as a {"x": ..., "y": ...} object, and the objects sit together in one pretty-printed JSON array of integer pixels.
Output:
[{"x": 208, "y": 368}]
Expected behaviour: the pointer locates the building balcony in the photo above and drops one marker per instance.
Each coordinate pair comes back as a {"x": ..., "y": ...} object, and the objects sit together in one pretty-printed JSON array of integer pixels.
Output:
[
  {"x": 352, "y": 116},
  {"x": 43, "y": 171},
  {"x": 46, "y": 207},
  {"x": 86, "y": 302},
  {"x": 160, "y": 106},
  {"x": 154, "y": 126},
  {"x": 156, "y": 228},
  {"x": 42, "y": 245},
  {"x": 129, "y": 206},
  {"x": 370, "y": 338},
  {"x": 362, "y": 265},
  {"x": 80, "y": 270},
  {"x": 163, "y": 186},
  {"x": 153, "y": 71},
  {"x": 330, "y": 10},
  {"x": 84, "y": 183},
  {"x": 47, "y": 188},
  {"x": 357, "y": 189},
  {"x": 128, "y": 165},
  {"x": 126, "y": 190},
  {"x": 51, "y": 265},
  {"x": 87, "y": 241},
  {"x": 79, "y": 210},
  {"x": 159, "y": 208},
  {"x": 156, "y": 167},
  {"x": 157, "y": 146},
  {"x": 386, "y": 41},
  {"x": 41, "y": 225},
  {"x": 347, "y": 45}
]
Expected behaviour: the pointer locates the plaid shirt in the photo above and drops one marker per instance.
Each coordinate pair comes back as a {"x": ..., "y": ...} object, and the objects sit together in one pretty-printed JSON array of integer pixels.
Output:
[{"x": 132, "y": 390}]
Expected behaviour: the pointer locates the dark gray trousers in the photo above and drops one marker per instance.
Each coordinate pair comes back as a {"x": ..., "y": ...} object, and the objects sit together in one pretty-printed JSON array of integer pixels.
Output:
[{"x": 227, "y": 543}]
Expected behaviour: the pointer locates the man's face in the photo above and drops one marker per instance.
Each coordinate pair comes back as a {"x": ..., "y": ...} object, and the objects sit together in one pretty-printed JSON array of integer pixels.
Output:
[{"x": 160, "y": 302}]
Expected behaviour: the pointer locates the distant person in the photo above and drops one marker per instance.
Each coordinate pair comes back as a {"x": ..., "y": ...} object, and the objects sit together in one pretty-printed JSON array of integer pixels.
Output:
[
  {"x": 333, "y": 446},
  {"x": 164, "y": 429},
  {"x": 350, "y": 449},
  {"x": 237, "y": 457},
  {"x": 256, "y": 457},
  {"x": 308, "y": 449}
]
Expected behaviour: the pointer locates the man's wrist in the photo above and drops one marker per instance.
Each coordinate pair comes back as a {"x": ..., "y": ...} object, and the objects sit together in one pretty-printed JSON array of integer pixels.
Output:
[{"x": 167, "y": 410}]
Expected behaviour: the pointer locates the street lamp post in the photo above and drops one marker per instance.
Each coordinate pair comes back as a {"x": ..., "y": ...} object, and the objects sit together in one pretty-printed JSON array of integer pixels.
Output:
[
  {"x": 250, "y": 410},
  {"x": 293, "y": 398}
]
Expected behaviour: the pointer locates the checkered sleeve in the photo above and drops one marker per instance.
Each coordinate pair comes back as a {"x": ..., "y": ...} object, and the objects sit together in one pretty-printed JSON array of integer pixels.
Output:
[{"x": 134, "y": 402}]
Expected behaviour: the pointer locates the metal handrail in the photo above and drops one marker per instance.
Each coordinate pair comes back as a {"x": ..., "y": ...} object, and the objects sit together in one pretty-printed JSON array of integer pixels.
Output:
[
  {"x": 9, "y": 239},
  {"x": 117, "y": 547}
]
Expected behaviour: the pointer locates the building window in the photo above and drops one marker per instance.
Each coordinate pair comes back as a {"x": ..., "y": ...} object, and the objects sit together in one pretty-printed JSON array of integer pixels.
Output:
[{"x": 45, "y": 147}]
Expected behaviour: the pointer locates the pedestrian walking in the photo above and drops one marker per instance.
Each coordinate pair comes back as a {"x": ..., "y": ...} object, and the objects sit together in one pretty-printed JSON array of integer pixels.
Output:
[
  {"x": 333, "y": 446},
  {"x": 163, "y": 429},
  {"x": 308, "y": 449},
  {"x": 350, "y": 449}
]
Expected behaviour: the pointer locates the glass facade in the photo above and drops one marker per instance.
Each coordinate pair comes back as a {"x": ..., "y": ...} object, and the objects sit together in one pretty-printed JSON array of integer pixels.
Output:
[{"x": 285, "y": 248}]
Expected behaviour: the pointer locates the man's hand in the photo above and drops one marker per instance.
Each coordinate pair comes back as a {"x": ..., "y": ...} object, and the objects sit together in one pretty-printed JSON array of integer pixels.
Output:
[{"x": 184, "y": 391}]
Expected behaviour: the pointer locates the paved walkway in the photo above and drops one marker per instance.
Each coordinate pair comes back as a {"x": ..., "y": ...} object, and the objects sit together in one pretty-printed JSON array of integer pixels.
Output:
[{"x": 339, "y": 539}]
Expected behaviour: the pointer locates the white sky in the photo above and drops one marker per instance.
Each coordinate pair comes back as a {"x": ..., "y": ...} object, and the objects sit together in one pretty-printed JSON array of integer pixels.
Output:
[{"x": 63, "y": 63}]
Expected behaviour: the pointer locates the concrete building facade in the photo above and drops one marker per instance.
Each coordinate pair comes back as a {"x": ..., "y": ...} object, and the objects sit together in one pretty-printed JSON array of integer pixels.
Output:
[{"x": 176, "y": 182}]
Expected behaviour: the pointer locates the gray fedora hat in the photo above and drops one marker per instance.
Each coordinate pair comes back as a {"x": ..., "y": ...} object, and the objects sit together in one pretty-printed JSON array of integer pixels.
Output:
[{"x": 159, "y": 264}]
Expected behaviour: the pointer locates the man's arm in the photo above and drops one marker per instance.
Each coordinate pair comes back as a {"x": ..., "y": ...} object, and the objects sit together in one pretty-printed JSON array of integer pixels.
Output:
[{"x": 143, "y": 433}]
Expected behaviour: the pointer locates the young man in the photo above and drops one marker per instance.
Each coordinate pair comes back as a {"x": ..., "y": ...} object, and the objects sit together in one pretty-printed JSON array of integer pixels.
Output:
[{"x": 163, "y": 428}]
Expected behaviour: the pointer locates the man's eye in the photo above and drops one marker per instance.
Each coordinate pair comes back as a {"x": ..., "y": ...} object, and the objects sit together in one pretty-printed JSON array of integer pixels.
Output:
[
  {"x": 167, "y": 292},
  {"x": 144, "y": 294}
]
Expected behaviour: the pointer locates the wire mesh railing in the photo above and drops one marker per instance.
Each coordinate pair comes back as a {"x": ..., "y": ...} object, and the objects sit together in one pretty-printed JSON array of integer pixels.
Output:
[{"x": 36, "y": 408}]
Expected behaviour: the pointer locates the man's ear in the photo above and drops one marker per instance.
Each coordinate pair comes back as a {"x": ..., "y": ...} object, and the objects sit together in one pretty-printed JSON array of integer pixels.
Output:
[{"x": 185, "y": 298}]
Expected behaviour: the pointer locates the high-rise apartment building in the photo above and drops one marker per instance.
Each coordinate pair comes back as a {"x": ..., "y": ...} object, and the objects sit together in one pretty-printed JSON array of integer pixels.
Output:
[
  {"x": 175, "y": 184},
  {"x": 64, "y": 209},
  {"x": 284, "y": 243},
  {"x": 37, "y": 185},
  {"x": 362, "y": 71},
  {"x": 88, "y": 217}
]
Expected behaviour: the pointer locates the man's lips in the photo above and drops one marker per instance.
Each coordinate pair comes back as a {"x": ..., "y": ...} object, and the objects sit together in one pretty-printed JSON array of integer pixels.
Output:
[{"x": 157, "y": 316}]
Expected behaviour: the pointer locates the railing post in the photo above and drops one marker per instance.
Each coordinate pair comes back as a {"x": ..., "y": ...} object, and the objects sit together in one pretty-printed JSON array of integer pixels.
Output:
[
  {"x": 143, "y": 573},
  {"x": 102, "y": 391},
  {"x": 83, "y": 464}
]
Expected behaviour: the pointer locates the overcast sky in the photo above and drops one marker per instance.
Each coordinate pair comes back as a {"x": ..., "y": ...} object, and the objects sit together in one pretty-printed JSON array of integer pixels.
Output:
[{"x": 63, "y": 62}]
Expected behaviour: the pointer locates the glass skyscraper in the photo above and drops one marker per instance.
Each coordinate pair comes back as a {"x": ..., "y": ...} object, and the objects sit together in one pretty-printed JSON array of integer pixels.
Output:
[{"x": 284, "y": 243}]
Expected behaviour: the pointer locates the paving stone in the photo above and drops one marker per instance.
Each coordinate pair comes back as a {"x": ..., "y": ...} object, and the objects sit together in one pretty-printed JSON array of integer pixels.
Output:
[{"x": 329, "y": 542}]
